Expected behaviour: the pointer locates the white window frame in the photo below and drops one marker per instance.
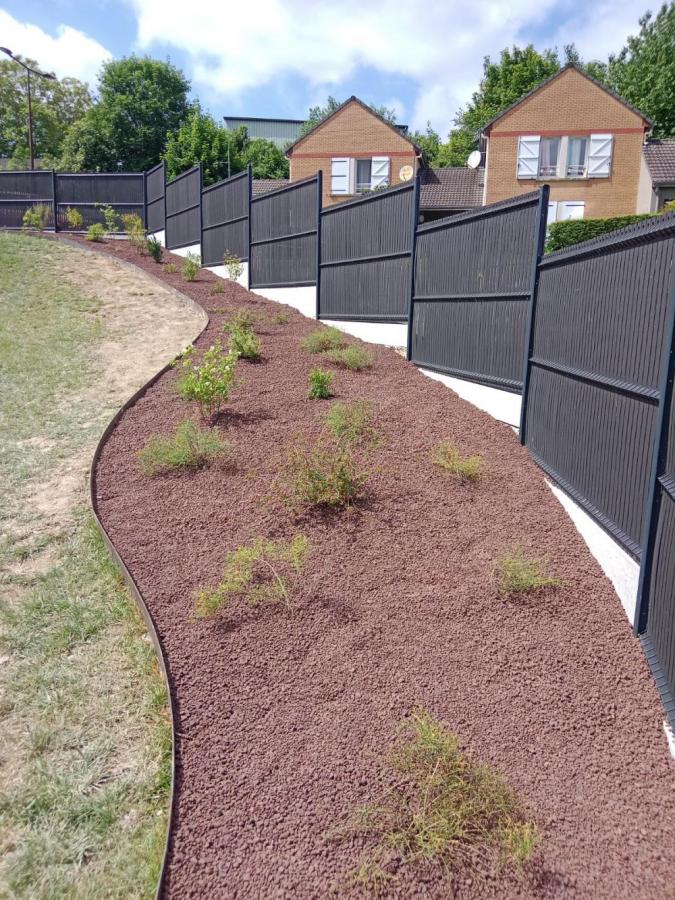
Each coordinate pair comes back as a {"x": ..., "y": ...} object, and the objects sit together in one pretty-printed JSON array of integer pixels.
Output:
[{"x": 598, "y": 159}]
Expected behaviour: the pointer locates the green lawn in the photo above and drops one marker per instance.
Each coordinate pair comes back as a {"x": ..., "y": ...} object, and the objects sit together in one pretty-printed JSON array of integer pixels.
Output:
[{"x": 86, "y": 743}]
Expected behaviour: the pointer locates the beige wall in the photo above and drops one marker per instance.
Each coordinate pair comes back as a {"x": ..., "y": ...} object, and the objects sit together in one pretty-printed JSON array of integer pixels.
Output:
[
  {"x": 353, "y": 132},
  {"x": 570, "y": 104}
]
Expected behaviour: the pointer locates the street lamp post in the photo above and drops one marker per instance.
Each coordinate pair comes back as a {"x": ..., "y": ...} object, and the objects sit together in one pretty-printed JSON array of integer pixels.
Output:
[{"x": 28, "y": 69}]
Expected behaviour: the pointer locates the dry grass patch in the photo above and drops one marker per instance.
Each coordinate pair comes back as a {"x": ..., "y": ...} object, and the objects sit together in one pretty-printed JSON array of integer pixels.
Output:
[
  {"x": 466, "y": 468},
  {"x": 352, "y": 423},
  {"x": 324, "y": 339},
  {"x": 445, "y": 808},
  {"x": 517, "y": 574},
  {"x": 326, "y": 474},
  {"x": 354, "y": 358},
  {"x": 190, "y": 447}
]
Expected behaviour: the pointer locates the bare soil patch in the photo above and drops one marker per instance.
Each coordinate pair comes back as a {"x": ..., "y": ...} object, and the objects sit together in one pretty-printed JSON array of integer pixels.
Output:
[{"x": 282, "y": 713}]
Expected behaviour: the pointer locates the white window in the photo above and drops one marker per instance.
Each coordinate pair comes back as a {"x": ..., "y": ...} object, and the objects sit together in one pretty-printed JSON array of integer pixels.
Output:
[
  {"x": 600, "y": 156},
  {"x": 549, "y": 152},
  {"x": 339, "y": 175},
  {"x": 577, "y": 157},
  {"x": 528, "y": 156},
  {"x": 379, "y": 172},
  {"x": 363, "y": 175},
  {"x": 563, "y": 210}
]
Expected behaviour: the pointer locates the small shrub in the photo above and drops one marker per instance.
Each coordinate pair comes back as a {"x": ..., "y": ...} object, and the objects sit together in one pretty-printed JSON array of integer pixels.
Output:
[
  {"x": 154, "y": 248},
  {"x": 324, "y": 339},
  {"x": 262, "y": 572},
  {"x": 354, "y": 358},
  {"x": 242, "y": 320},
  {"x": 218, "y": 288},
  {"x": 574, "y": 231},
  {"x": 466, "y": 468},
  {"x": 234, "y": 265},
  {"x": 443, "y": 807},
  {"x": 110, "y": 218},
  {"x": 320, "y": 385},
  {"x": 282, "y": 318},
  {"x": 351, "y": 423},
  {"x": 518, "y": 574},
  {"x": 209, "y": 382},
  {"x": 171, "y": 268},
  {"x": 324, "y": 475},
  {"x": 189, "y": 448},
  {"x": 245, "y": 344},
  {"x": 191, "y": 266},
  {"x": 132, "y": 225},
  {"x": 95, "y": 232},
  {"x": 74, "y": 219},
  {"x": 36, "y": 217}
]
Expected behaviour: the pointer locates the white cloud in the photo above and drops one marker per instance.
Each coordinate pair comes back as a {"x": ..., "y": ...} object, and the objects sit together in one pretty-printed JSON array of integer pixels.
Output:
[
  {"x": 70, "y": 54},
  {"x": 233, "y": 47}
]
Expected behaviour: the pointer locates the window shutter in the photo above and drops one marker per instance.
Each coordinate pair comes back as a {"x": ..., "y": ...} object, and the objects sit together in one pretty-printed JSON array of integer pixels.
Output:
[
  {"x": 339, "y": 175},
  {"x": 600, "y": 156},
  {"x": 570, "y": 209},
  {"x": 379, "y": 173},
  {"x": 528, "y": 156}
]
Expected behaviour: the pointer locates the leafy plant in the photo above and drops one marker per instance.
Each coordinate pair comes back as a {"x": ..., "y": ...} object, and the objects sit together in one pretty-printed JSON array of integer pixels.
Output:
[
  {"x": 518, "y": 574},
  {"x": 133, "y": 226},
  {"x": 324, "y": 339},
  {"x": 154, "y": 248},
  {"x": 191, "y": 266},
  {"x": 210, "y": 381},
  {"x": 354, "y": 358},
  {"x": 74, "y": 219},
  {"x": 351, "y": 423},
  {"x": 95, "y": 232},
  {"x": 110, "y": 218},
  {"x": 36, "y": 217},
  {"x": 243, "y": 320},
  {"x": 324, "y": 475},
  {"x": 443, "y": 807},
  {"x": 466, "y": 468},
  {"x": 189, "y": 448},
  {"x": 234, "y": 265},
  {"x": 262, "y": 572},
  {"x": 320, "y": 385},
  {"x": 243, "y": 339}
]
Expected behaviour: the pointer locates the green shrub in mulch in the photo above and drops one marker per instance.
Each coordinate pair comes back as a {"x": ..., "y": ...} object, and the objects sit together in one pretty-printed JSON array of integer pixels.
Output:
[{"x": 190, "y": 447}]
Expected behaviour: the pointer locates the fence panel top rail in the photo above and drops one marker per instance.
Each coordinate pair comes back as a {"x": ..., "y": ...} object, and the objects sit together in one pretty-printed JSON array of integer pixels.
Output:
[{"x": 482, "y": 212}]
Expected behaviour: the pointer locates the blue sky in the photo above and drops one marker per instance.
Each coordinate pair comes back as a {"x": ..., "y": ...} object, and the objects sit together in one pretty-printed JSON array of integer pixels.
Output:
[{"x": 278, "y": 57}]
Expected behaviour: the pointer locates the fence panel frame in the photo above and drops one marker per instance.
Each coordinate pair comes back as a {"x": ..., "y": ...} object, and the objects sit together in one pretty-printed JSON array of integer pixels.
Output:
[
  {"x": 183, "y": 210},
  {"x": 245, "y": 173},
  {"x": 161, "y": 165}
]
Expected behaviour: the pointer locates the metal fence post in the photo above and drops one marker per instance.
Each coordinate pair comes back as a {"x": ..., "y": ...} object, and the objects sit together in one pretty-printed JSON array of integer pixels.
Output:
[
  {"x": 319, "y": 205},
  {"x": 653, "y": 502},
  {"x": 55, "y": 206},
  {"x": 542, "y": 215},
  {"x": 145, "y": 200},
  {"x": 249, "y": 280},
  {"x": 413, "y": 257},
  {"x": 201, "y": 213}
]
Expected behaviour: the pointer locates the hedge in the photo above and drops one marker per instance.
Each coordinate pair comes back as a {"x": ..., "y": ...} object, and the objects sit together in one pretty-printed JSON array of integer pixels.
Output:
[{"x": 574, "y": 231}]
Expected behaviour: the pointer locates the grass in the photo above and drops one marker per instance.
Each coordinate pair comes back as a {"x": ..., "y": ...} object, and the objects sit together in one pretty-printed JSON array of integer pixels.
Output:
[
  {"x": 354, "y": 358},
  {"x": 190, "y": 447},
  {"x": 324, "y": 475},
  {"x": 281, "y": 318},
  {"x": 262, "y": 572},
  {"x": 324, "y": 339},
  {"x": 517, "y": 574},
  {"x": 352, "y": 423},
  {"x": 218, "y": 288},
  {"x": 171, "y": 268},
  {"x": 468, "y": 469},
  {"x": 444, "y": 808},
  {"x": 85, "y": 735}
]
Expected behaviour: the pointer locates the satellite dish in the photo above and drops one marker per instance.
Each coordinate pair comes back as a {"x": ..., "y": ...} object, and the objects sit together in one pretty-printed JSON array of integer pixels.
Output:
[
  {"x": 405, "y": 173},
  {"x": 474, "y": 159}
]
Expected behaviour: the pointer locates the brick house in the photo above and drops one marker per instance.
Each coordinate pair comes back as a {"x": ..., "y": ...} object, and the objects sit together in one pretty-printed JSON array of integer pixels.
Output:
[
  {"x": 575, "y": 135},
  {"x": 357, "y": 151}
]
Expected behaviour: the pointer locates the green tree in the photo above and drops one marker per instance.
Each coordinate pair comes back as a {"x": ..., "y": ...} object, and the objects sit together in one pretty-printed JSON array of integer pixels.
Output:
[
  {"x": 141, "y": 100},
  {"x": 429, "y": 142},
  {"x": 643, "y": 73},
  {"x": 319, "y": 113},
  {"x": 56, "y": 106}
]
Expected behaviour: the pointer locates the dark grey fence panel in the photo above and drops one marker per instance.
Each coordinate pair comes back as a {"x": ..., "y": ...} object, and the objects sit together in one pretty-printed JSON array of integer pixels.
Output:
[
  {"x": 87, "y": 192},
  {"x": 284, "y": 231},
  {"x": 21, "y": 190},
  {"x": 155, "y": 199},
  {"x": 366, "y": 252},
  {"x": 225, "y": 219},
  {"x": 592, "y": 406},
  {"x": 473, "y": 282},
  {"x": 183, "y": 209}
]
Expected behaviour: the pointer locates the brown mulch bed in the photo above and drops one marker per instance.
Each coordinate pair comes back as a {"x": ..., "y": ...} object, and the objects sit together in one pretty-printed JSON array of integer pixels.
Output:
[{"x": 281, "y": 714}]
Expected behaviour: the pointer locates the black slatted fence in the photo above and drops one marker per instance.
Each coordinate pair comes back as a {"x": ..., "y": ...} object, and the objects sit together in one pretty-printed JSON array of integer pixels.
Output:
[
  {"x": 366, "y": 256},
  {"x": 225, "y": 219},
  {"x": 284, "y": 236},
  {"x": 19, "y": 191},
  {"x": 155, "y": 198},
  {"x": 184, "y": 209},
  {"x": 473, "y": 282}
]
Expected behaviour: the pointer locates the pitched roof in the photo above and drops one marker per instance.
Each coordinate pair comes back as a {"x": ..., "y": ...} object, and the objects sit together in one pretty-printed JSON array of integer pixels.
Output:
[
  {"x": 660, "y": 159},
  {"x": 551, "y": 78},
  {"x": 398, "y": 129},
  {"x": 451, "y": 188},
  {"x": 265, "y": 185}
]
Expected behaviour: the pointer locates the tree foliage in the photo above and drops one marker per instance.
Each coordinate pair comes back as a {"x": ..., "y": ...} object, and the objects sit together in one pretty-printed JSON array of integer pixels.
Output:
[
  {"x": 56, "y": 106},
  {"x": 643, "y": 73},
  {"x": 221, "y": 151},
  {"x": 140, "y": 101},
  {"x": 319, "y": 113}
]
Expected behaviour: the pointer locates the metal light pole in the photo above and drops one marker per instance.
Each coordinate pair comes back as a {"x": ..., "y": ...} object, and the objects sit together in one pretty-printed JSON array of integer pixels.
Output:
[{"x": 30, "y": 105}]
